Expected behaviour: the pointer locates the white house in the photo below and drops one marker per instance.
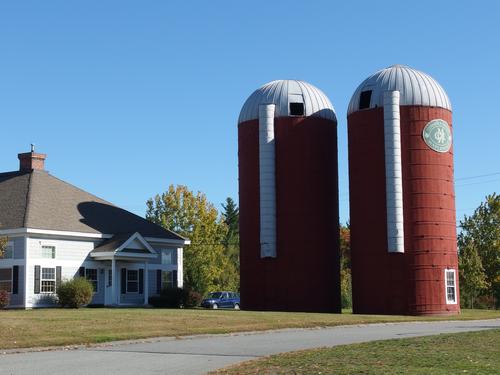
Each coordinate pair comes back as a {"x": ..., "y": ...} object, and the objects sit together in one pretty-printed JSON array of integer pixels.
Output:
[{"x": 57, "y": 231}]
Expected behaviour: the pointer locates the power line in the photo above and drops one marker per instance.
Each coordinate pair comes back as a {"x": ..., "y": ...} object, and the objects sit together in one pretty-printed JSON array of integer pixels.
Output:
[
  {"x": 478, "y": 183},
  {"x": 478, "y": 176}
]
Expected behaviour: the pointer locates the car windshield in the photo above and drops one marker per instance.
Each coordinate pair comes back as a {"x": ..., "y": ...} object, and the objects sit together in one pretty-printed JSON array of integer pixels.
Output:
[{"x": 214, "y": 295}]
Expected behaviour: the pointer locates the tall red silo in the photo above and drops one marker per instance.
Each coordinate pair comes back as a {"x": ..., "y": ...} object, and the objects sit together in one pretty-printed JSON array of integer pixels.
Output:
[
  {"x": 288, "y": 191},
  {"x": 402, "y": 200}
]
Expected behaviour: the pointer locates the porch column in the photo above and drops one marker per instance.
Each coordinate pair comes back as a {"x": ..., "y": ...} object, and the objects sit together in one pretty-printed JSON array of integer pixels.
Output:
[
  {"x": 146, "y": 286},
  {"x": 114, "y": 295}
]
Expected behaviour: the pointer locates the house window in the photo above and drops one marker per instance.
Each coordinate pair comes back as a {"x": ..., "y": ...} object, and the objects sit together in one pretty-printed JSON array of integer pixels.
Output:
[
  {"x": 168, "y": 256},
  {"x": 8, "y": 252},
  {"x": 48, "y": 280},
  {"x": 49, "y": 252},
  {"x": 110, "y": 278},
  {"x": 6, "y": 279},
  {"x": 450, "y": 285},
  {"x": 167, "y": 279},
  {"x": 132, "y": 281},
  {"x": 296, "y": 109},
  {"x": 91, "y": 275}
]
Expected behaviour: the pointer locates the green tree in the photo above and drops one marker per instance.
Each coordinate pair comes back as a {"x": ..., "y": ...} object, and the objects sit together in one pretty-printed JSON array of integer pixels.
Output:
[
  {"x": 3, "y": 245},
  {"x": 481, "y": 231},
  {"x": 345, "y": 266},
  {"x": 231, "y": 217},
  {"x": 472, "y": 276},
  {"x": 193, "y": 217}
]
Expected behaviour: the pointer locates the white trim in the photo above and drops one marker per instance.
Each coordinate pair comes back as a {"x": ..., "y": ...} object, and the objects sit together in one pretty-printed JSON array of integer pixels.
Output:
[
  {"x": 137, "y": 236},
  {"x": 25, "y": 297},
  {"x": 123, "y": 256},
  {"x": 446, "y": 286},
  {"x": 167, "y": 241},
  {"x": 145, "y": 283},
  {"x": 54, "y": 233},
  {"x": 20, "y": 231}
]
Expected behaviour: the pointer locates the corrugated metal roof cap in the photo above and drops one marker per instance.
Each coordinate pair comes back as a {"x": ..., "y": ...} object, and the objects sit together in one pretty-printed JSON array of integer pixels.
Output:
[
  {"x": 282, "y": 93},
  {"x": 415, "y": 88}
]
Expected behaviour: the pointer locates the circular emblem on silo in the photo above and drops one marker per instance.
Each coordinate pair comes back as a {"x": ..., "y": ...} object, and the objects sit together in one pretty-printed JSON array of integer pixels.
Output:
[{"x": 437, "y": 135}]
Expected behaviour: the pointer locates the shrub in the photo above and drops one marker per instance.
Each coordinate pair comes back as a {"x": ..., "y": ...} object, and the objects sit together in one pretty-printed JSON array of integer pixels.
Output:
[
  {"x": 4, "y": 299},
  {"x": 169, "y": 297},
  {"x": 176, "y": 298},
  {"x": 75, "y": 293},
  {"x": 191, "y": 298}
]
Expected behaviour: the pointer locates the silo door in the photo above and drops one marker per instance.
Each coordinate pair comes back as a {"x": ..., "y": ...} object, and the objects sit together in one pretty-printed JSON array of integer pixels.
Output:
[{"x": 296, "y": 105}]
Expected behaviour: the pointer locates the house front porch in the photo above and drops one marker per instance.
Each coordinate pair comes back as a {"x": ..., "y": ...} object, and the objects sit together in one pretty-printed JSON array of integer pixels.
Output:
[{"x": 125, "y": 264}]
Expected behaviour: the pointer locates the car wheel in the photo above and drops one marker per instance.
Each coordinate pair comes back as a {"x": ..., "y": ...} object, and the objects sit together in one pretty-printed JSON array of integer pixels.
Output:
[
  {"x": 215, "y": 306},
  {"x": 236, "y": 306}
]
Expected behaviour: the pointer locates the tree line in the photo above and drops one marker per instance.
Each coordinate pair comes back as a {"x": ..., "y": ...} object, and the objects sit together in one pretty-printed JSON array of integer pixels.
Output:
[
  {"x": 211, "y": 261},
  {"x": 479, "y": 255}
]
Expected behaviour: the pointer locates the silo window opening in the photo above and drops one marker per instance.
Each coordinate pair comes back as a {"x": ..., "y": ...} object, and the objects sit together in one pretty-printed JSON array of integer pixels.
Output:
[
  {"x": 365, "y": 99},
  {"x": 450, "y": 285},
  {"x": 296, "y": 109}
]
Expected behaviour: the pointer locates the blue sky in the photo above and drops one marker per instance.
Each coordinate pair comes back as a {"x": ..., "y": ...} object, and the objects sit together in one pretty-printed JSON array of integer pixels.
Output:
[{"x": 127, "y": 97}]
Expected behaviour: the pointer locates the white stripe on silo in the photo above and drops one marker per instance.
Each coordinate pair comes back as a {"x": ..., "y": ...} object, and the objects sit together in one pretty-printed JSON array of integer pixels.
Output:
[
  {"x": 393, "y": 175},
  {"x": 267, "y": 179}
]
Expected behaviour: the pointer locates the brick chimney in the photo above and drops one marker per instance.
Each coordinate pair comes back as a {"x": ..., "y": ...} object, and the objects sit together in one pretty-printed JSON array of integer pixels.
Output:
[{"x": 30, "y": 161}]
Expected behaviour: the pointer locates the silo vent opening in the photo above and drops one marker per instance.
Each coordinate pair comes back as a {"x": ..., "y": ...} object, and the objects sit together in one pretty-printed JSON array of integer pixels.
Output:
[
  {"x": 296, "y": 109},
  {"x": 365, "y": 98}
]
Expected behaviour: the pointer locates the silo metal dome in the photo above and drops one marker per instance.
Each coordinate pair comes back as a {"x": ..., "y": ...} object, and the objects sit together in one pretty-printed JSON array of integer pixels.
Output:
[
  {"x": 282, "y": 93},
  {"x": 415, "y": 88}
]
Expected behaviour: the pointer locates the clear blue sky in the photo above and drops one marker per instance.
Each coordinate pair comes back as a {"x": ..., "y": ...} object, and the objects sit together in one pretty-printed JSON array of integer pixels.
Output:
[{"x": 127, "y": 97}]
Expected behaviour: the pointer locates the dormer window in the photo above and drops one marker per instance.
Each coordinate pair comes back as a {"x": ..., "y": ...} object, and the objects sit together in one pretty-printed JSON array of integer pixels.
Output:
[
  {"x": 365, "y": 99},
  {"x": 296, "y": 109}
]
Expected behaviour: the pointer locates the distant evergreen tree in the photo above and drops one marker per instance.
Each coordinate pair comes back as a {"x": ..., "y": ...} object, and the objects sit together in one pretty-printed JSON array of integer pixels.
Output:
[{"x": 231, "y": 217}]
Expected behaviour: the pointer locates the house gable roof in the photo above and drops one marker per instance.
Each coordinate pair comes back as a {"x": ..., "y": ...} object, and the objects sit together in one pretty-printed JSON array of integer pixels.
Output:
[
  {"x": 124, "y": 244},
  {"x": 39, "y": 200}
]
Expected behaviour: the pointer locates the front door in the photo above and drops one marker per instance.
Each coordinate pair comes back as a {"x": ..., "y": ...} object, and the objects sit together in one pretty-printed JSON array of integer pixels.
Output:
[{"x": 108, "y": 294}]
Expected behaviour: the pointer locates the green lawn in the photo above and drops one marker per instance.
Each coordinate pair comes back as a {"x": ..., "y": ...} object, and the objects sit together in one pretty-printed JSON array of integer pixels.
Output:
[
  {"x": 473, "y": 353},
  {"x": 47, "y": 327}
]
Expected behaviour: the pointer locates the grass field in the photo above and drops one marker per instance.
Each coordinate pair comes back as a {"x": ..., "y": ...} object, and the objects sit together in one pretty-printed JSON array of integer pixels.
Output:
[
  {"x": 472, "y": 352},
  {"x": 47, "y": 327}
]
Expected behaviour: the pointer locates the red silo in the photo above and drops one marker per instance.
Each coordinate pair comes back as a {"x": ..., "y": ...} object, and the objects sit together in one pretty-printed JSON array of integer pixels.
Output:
[
  {"x": 402, "y": 200},
  {"x": 288, "y": 191}
]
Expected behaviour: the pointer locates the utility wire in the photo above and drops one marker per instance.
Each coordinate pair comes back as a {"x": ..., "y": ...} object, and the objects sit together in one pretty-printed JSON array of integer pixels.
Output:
[{"x": 478, "y": 176}]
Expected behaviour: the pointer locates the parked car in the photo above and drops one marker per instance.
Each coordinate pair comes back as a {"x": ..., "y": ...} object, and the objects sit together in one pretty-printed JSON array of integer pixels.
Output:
[{"x": 217, "y": 300}]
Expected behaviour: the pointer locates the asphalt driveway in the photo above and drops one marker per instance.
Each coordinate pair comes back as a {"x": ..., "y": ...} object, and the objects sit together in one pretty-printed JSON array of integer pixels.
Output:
[{"x": 199, "y": 354}]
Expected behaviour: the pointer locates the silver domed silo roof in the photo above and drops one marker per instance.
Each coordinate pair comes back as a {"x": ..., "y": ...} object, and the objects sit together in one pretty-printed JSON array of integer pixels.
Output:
[
  {"x": 415, "y": 88},
  {"x": 282, "y": 93}
]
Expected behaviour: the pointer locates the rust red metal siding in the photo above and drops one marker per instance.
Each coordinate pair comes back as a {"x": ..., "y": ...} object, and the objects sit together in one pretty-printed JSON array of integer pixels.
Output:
[
  {"x": 413, "y": 282},
  {"x": 305, "y": 274}
]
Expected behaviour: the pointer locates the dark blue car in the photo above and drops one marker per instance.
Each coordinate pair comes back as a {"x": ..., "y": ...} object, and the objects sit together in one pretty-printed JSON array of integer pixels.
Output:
[{"x": 222, "y": 300}]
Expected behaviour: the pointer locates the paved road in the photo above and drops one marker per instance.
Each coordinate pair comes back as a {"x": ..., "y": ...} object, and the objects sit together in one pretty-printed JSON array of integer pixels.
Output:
[{"x": 197, "y": 355}]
